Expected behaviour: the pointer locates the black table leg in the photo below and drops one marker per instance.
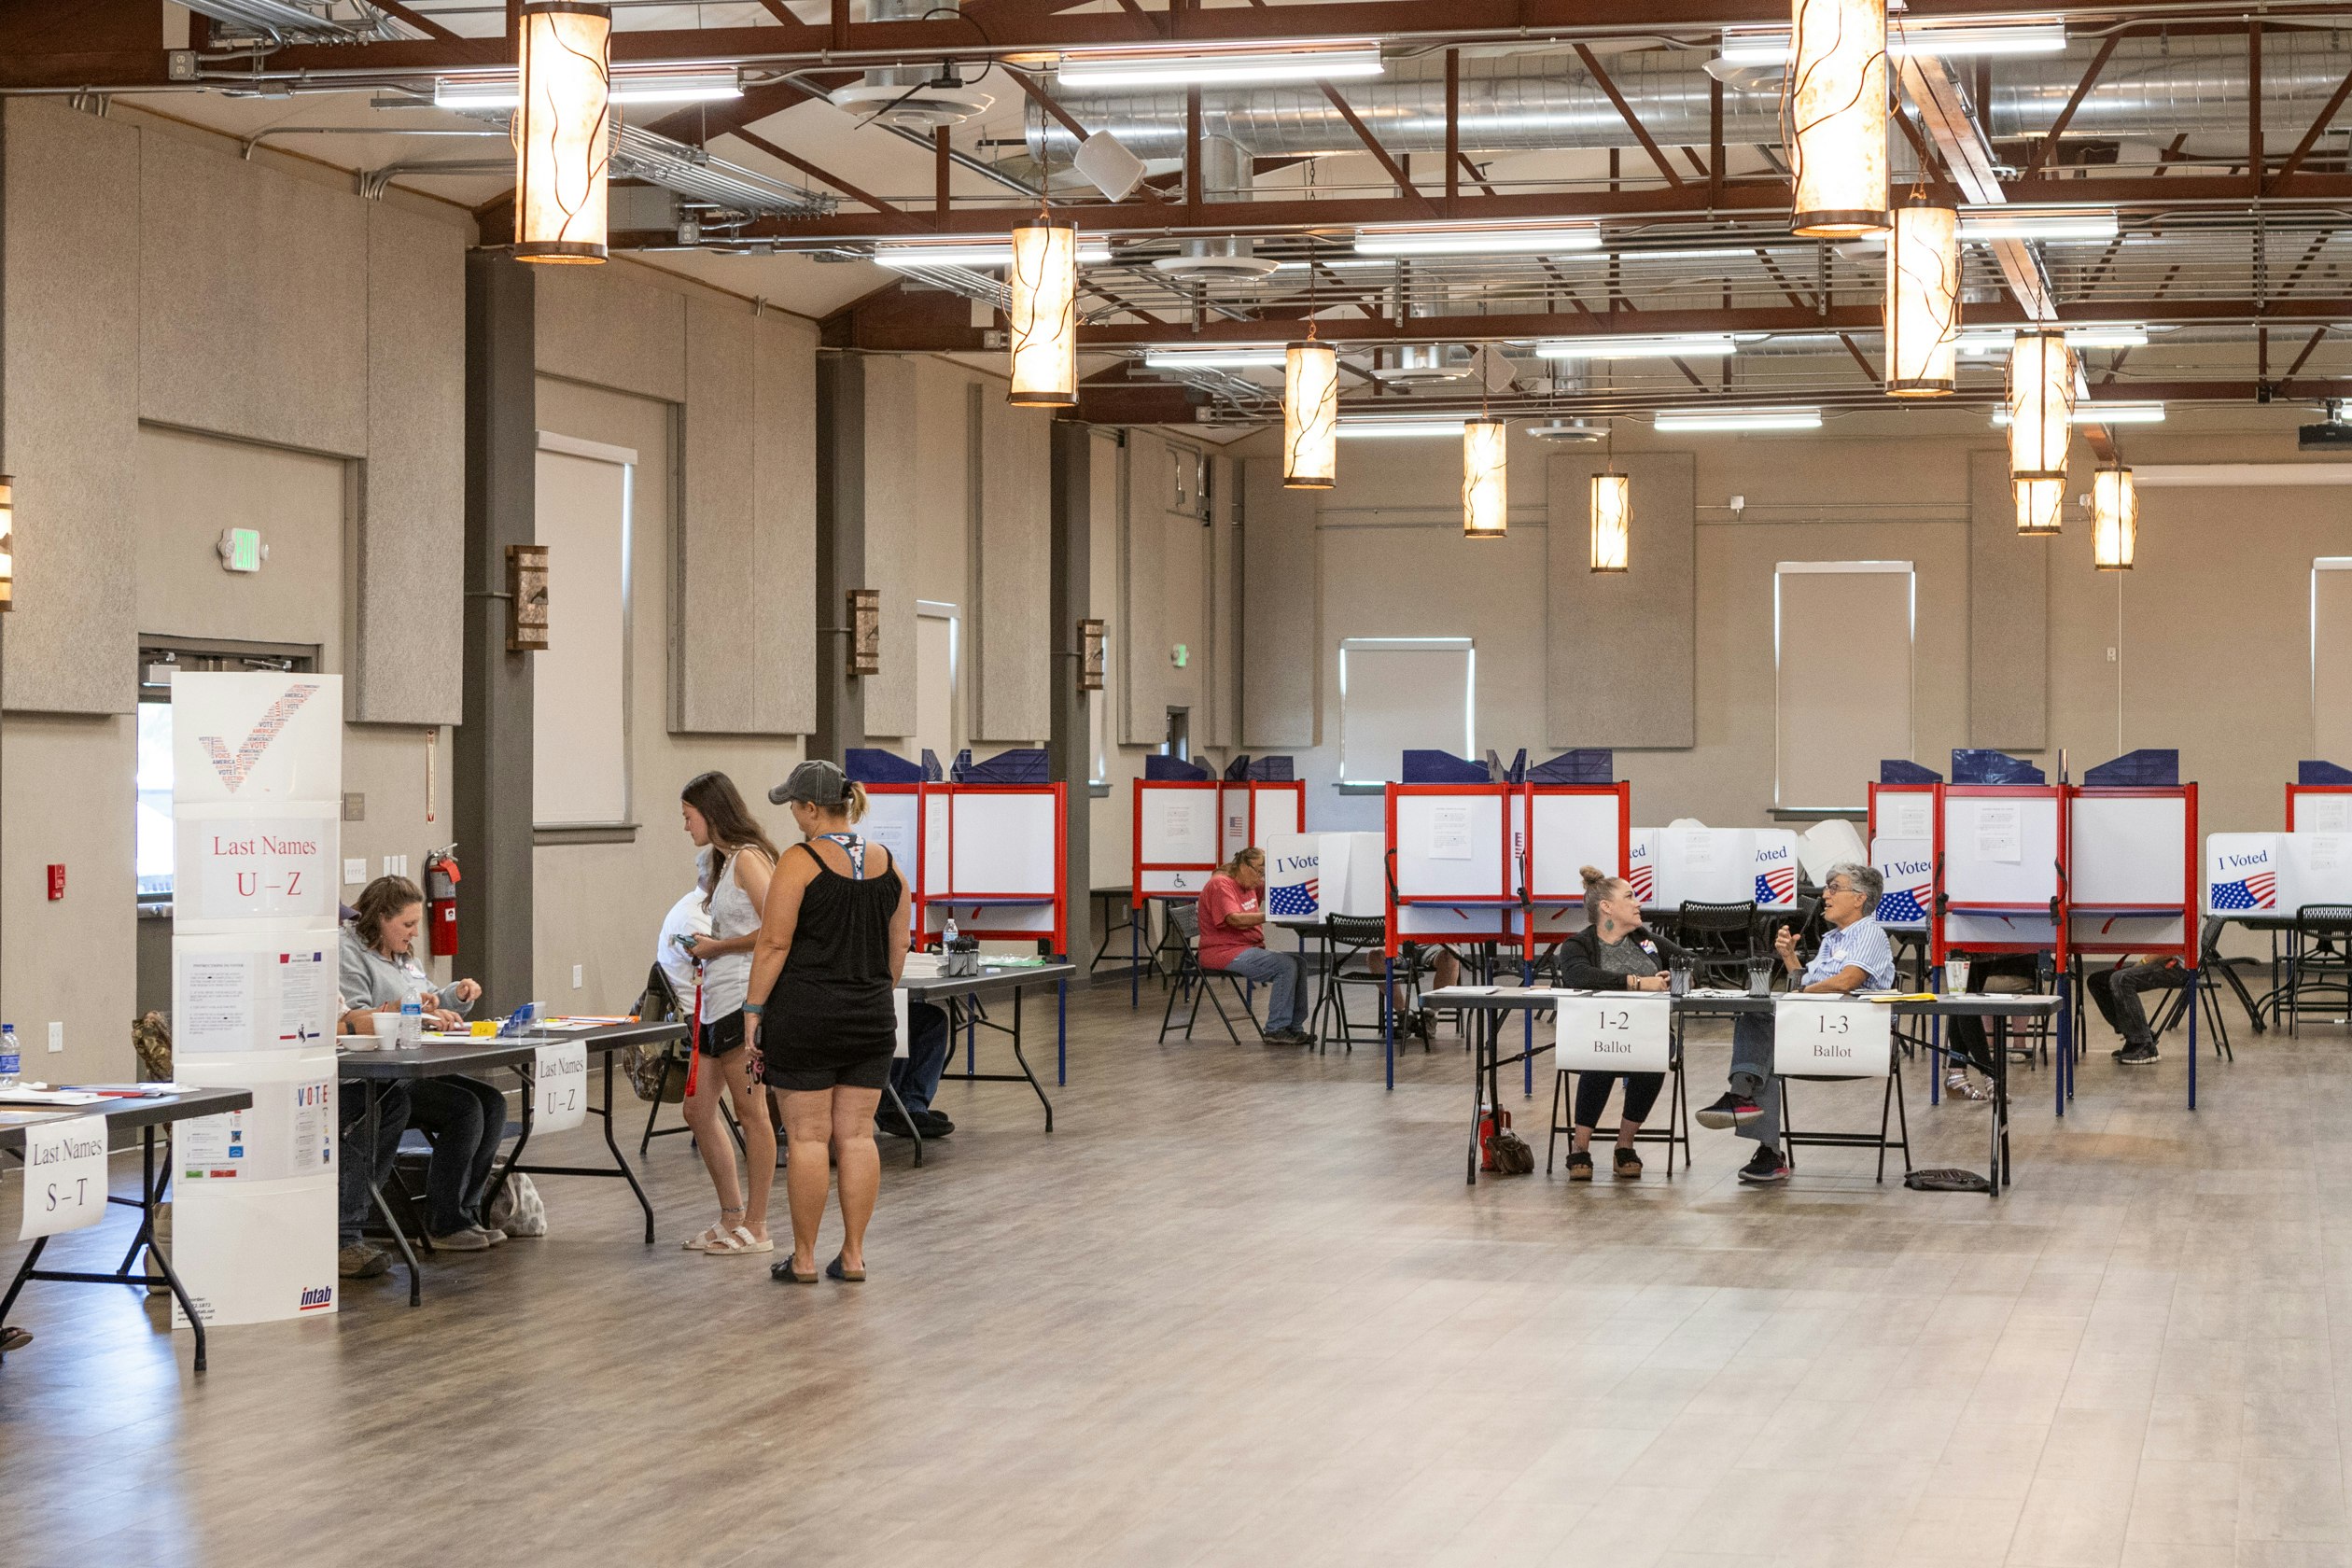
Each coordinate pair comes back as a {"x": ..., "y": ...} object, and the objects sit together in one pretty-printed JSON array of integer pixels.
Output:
[
  {"x": 384, "y": 1206},
  {"x": 617, "y": 1157}
]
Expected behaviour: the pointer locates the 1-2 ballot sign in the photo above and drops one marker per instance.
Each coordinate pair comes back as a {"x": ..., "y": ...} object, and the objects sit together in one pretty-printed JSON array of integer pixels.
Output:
[
  {"x": 1831, "y": 1038},
  {"x": 559, "y": 1086},
  {"x": 64, "y": 1176},
  {"x": 1613, "y": 1032}
]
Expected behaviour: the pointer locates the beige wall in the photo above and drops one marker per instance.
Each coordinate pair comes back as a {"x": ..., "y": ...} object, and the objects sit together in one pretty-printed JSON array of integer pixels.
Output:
[{"x": 2213, "y": 653}]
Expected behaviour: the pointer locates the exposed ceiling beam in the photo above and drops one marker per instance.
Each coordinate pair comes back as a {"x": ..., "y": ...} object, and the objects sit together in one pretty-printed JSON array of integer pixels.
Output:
[{"x": 1943, "y": 113}]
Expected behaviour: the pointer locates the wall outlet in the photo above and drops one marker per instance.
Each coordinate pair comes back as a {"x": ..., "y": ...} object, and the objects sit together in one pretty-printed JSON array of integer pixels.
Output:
[
  {"x": 576, "y": 968},
  {"x": 57, "y": 1037},
  {"x": 355, "y": 872},
  {"x": 2110, "y": 655}
]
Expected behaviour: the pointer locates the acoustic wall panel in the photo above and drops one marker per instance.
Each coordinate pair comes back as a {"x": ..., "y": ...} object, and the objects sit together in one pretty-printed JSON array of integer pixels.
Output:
[
  {"x": 604, "y": 325},
  {"x": 253, "y": 316},
  {"x": 890, "y": 432},
  {"x": 408, "y": 546},
  {"x": 1143, "y": 612},
  {"x": 1011, "y": 663},
  {"x": 1606, "y": 687},
  {"x": 1281, "y": 603},
  {"x": 2008, "y": 616},
  {"x": 71, "y": 289},
  {"x": 744, "y": 660}
]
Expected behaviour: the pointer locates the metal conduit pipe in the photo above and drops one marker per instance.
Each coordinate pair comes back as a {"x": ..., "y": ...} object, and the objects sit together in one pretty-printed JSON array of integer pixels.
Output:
[{"x": 2151, "y": 88}]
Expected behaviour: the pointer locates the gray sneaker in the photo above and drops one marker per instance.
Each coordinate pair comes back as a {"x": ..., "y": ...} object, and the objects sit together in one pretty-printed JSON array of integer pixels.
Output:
[
  {"x": 361, "y": 1261},
  {"x": 467, "y": 1240},
  {"x": 497, "y": 1237}
]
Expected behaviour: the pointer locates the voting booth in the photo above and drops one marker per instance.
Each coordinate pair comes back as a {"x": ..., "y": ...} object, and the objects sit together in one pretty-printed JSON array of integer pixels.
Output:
[
  {"x": 2132, "y": 886},
  {"x": 2274, "y": 875},
  {"x": 2319, "y": 808},
  {"x": 1901, "y": 828},
  {"x": 2001, "y": 854},
  {"x": 1721, "y": 865},
  {"x": 1252, "y": 811},
  {"x": 993, "y": 860},
  {"x": 1567, "y": 828},
  {"x": 1178, "y": 837},
  {"x": 1451, "y": 862}
]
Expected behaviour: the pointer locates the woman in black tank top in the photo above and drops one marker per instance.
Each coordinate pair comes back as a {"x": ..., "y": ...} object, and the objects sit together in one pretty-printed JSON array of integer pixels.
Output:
[{"x": 833, "y": 943}]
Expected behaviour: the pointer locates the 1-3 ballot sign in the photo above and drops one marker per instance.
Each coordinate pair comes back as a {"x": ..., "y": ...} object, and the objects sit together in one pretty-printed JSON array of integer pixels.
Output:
[
  {"x": 1619, "y": 1032},
  {"x": 1831, "y": 1038},
  {"x": 64, "y": 1176}
]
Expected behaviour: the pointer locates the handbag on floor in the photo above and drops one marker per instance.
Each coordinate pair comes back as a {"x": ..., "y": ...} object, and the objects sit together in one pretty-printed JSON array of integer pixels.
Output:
[
  {"x": 517, "y": 1209},
  {"x": 1500, "y": 1150}
]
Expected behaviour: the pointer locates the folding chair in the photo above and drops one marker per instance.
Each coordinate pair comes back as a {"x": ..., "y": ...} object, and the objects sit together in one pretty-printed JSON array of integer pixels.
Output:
[
  {"x": 1364, "y": 936},
  {"x": 1720, "y": 939},
  {"x": 1194, "y": 981},
  {"x": 1676, "y": 1132},
  {"x": 2212, "y": 970},
  {"x": 2320, "y": 959},
  {"x": 1890, "y": 1109}
]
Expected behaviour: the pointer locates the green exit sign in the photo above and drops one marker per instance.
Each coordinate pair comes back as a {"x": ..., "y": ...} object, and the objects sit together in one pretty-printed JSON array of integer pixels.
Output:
[{"x": 241, "y": 549}]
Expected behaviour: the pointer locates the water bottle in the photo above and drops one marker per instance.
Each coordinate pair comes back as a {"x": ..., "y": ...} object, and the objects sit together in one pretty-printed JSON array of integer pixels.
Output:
[
  {"x": 948, "y": 942},
  {"x": 11, "y": 1063}
]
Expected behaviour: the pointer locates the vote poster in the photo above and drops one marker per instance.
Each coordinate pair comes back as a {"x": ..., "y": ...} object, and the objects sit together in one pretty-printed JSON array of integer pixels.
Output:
[{"x": 257, "y": 807}]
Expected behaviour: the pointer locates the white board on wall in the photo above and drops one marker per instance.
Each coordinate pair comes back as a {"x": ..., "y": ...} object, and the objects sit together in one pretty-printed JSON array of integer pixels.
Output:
[
  {"x": 579, "y": 683},
  {"x": 1834, "y": 721}
]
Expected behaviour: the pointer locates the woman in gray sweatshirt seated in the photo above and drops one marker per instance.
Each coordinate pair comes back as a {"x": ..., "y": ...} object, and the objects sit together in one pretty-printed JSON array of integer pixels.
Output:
[
  {"x": 1615, "y": 952},
  {"x": 465, "y": 1117}
]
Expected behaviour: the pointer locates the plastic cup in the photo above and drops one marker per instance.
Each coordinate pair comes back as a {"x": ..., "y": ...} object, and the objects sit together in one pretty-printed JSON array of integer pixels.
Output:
[{"x": 1956, "y": 974}]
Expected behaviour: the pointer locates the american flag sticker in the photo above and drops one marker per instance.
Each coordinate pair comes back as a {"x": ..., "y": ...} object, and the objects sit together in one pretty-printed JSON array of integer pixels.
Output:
[
  {"x": 1776, "y": 885},
  {"x": 1296, "y": 900}
]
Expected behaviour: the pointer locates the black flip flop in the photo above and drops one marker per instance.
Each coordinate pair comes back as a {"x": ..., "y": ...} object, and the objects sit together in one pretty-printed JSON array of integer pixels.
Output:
[
  {"x": 784, "y": 1272},
  {"x": 835, "y": 1271},
  {"x": 13, "y": 1338}
]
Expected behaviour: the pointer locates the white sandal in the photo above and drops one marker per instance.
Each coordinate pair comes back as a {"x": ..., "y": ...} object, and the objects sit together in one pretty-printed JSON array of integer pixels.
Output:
[
  {"x": 739, "y": 1241},
  {"x": 710, "y": 1232},
  {"x": 1958, "y": 1083}
]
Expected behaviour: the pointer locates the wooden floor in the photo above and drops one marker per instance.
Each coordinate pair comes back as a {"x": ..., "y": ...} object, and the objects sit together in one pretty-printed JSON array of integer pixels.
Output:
[{"x": 1241, "y": 1308}]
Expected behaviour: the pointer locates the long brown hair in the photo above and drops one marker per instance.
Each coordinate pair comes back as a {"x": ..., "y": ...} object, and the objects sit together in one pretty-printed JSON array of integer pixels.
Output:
[
  {"x": 731, "y": 823},
  {"x": 379, "y": 902}
]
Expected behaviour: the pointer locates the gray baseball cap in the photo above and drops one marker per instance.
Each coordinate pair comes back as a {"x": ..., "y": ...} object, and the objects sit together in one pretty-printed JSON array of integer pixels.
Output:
[{"x": 816, "y": 781}]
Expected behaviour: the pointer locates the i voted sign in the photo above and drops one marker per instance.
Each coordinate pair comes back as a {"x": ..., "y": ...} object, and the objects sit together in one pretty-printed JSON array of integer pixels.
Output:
[
  {"x": 1831, "y": 1038},
  {"x": 1613, "y": 1032},
  {"x": 559, "y": 1086},
  {"x": 64, "y": 1176}
]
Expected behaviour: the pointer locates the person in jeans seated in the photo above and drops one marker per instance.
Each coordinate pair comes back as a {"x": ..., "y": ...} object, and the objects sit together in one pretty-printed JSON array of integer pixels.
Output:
[
  {"x": 2117, "y": 992},
  {"x": 915, "y": 1076},
  {"x": 1232, "y": 940},
  {"x": 1854, "y": 956},
  {"x": 354, "y": 1258},
  {"x": 1615, "y": 952}
]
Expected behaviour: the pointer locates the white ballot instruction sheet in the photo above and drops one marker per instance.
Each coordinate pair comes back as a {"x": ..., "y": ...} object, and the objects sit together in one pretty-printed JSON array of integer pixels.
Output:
[
  {"x": 1449, "y": 833},
  {"x": 2000, "y": 832},
  {"x": 1907, "y": 815}
]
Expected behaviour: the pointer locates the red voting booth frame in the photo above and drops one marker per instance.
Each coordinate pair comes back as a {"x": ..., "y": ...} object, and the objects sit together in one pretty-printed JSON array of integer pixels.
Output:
[
  {"x": 2297, "y": 792},
  {"x": 2065, "y": 909},
  {"x": 940, "y": 797},
  {"x": 1209, "y": 790}
]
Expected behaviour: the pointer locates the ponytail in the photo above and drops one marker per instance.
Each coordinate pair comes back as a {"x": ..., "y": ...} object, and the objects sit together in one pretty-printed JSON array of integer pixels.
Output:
[
  {"x": 854, "y": 801},
  {"x": 1600, "y": 884}
]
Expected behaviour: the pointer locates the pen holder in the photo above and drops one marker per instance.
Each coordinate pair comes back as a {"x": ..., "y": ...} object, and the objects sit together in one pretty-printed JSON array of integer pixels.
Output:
[
  {"x": 960, "y": 959},
  {"x": 1678, "y": 980},
  {"x": 1759, "y": 977}
]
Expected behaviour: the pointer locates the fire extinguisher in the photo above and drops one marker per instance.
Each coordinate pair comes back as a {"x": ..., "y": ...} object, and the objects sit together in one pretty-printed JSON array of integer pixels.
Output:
[{"x": 442, "y": 877}]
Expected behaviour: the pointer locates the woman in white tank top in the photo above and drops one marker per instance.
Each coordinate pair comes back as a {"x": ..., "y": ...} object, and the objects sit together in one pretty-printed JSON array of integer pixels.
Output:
[{"x": 737, "y": 860}]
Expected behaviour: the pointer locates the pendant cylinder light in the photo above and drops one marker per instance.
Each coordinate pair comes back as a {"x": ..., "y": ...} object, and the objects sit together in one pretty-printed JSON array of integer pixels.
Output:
[
  {"x": 1612, "y": 522},
  {"x": 1923, "y": 302},
  {"x": 563, "y": 131},
  {"x": 2040, "y": 405},
  {"x": 7, "y": 541},
  {"x": 1043, "y": 278},
  {"x": 1310, "y": 415},
  {"x": 2040, "y": 505},
  {"x": 1485, "y": 495},
  {"x": 2114, "y": 519},
  {"x": 1837, "y": 104}
]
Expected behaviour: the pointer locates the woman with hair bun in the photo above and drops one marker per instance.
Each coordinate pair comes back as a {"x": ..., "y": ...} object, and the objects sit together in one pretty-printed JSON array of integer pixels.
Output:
[{"x": 1615, "y": 952}]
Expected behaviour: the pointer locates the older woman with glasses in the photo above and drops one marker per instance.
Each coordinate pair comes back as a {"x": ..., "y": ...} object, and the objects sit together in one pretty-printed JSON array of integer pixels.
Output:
[{"x": 1854, "y": 956}]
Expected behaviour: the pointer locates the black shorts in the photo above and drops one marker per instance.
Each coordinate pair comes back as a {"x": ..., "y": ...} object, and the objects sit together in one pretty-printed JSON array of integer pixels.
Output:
[
  {"x": 721, "y": 1035},
  {"x": 866, "y": 1073}
]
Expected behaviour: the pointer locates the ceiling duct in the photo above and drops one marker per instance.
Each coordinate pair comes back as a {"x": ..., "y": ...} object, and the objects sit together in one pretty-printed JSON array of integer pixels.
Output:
[
  {"x": 2150, "y": 88},
  {"x": 1225, "y": 177},
  {"x": 921, "y": 98},
  {"x": 326, "y": 21},
  {"x": 693, "y": 173}
]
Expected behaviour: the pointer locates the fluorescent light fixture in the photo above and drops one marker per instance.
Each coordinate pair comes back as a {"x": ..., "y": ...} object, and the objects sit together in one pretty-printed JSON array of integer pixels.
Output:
[
  {"x": 1540, "y": 239},
  {"x": 1948, "y": 42},
  {"x": 506, "y": 92},
  {"x": 1132, "y": 70},
  {"x": 1383, "y": 429},
  {"x": 1268, "y": 358},
  {"x": 1982, "y": 227},
  {"x": 1670, "y": 420},
  {"x": 2096, "y": 336},
  {"x": 1755, "y": 45},
  {"x": 983, "y": 254},
  {"x": 1694, "y": 345},
  {"x": 2104, "y": 414}
]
